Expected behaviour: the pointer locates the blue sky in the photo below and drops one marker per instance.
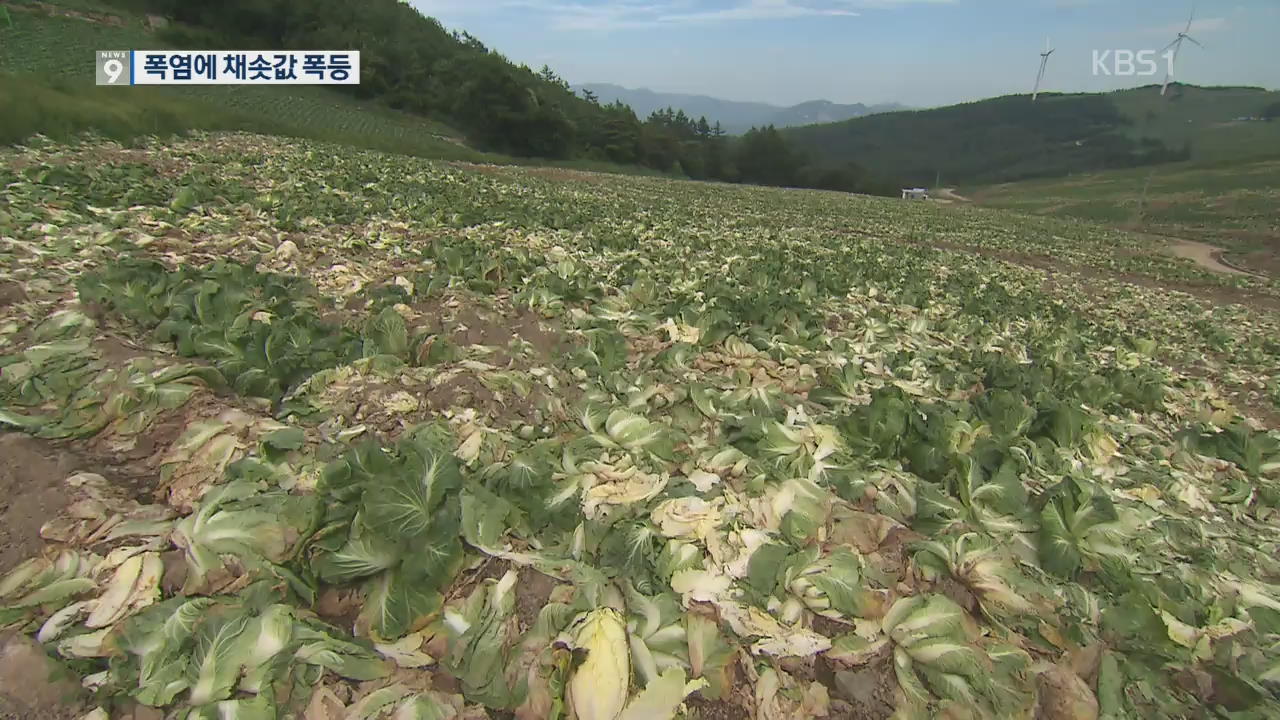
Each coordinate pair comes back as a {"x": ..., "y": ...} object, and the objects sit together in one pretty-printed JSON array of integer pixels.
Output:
[{"x": 919, "y": 52}]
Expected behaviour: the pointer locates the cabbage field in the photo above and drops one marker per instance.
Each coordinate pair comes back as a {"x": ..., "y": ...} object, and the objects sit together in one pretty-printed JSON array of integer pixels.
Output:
[{"x": 352, "y": 435}]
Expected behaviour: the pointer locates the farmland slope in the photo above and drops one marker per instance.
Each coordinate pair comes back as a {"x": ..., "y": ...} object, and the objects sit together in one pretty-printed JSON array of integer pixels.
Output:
[
  {"x": 1227, "y": 205},
  {"x": 365, "y": 431}
]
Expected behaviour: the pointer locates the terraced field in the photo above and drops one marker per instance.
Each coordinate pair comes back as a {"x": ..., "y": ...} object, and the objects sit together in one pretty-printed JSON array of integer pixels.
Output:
[{"x": 308, "y": 432}]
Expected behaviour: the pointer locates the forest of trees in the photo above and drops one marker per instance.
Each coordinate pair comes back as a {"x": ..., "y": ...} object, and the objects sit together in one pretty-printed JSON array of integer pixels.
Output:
[
  {"x": 410, "y": 62},
  {"x": 990, "y": 141}
]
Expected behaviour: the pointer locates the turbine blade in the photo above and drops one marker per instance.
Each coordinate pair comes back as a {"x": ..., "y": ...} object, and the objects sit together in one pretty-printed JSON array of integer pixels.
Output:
[
  {"x": 1175, "y": 42},
  {"x": 1197, "y": 42}
]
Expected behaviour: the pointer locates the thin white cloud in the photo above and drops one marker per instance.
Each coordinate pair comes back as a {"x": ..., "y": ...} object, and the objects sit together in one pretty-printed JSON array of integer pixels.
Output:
[
  {"x": 758, "y": 10},
  {"x": 615, "y": 15},
  {"x": 601, "y": 16}
]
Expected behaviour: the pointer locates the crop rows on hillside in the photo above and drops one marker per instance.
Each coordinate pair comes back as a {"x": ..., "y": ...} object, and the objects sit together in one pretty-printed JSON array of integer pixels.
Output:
[{"x": 371, "y": 435}]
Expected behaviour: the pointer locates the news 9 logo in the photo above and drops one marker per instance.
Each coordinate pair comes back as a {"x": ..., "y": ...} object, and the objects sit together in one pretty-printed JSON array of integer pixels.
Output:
[{"x": 114, "y": 67}]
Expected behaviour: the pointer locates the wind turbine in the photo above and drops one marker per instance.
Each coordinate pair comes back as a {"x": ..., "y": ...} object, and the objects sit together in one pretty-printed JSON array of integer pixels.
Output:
[
  {"x": 1177, "y": 47},
  {"x": 1044, "y": 62}
]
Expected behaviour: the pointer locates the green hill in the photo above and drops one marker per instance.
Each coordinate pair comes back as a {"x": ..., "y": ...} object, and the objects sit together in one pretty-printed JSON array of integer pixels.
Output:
[
  {"x": 1010, "y": 138},
  {"x": 46, "y": 86},
  {"x": 1206, "y": 117},
  {"x": 1225, "y": 194},
  {"x": 424, "y": 91}
]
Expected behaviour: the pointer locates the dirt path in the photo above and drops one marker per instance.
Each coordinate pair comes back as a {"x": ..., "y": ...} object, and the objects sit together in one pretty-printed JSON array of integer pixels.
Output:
[
  {"x": 1206, "y": 256},
  {"x": 32, "y": 687},
  {"x": 950, "y": 194},
  {"x": 31, "y": 493}
]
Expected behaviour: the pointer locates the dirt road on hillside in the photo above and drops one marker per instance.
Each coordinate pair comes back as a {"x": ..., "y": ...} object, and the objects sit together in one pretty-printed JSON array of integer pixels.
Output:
[
  {"x": 1202, "y": 254},
  {"x": 1206, "y": 256},
  {"x": 951, "y": 195}
]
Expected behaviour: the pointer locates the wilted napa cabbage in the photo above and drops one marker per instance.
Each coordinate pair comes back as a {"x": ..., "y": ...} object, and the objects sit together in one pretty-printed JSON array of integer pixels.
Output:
[{"x": 599, "y": 688}]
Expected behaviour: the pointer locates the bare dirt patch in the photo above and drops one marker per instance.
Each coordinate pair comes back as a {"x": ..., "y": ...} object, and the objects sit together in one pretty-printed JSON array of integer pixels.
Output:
[
  {"x": 517, "y": 339},
  {"x": 1064, "y": 696},
  {"x": 33, "y": 686},
  {"x": 1206, "y": 256},
  {"x": 472, "y": 327},
  {"x": 11, "y": 293},
  {"x": 116, "y": 352},
  {"x": 466, "y": 391},
  {"x": 340, "y": 607},
  {"x": 533, "y": 591},
  {"x": 946, "y": 196},
  {"x": 467, "y": 324},
  {"x": 705, "y": 709},
  {"x": 957, "y": 593},
  {"x": 31, "y": 492},
  {"x": 893, "y": 555},
  {"x": 829, "y": 628},
  {"x": 865, "y": 692}
]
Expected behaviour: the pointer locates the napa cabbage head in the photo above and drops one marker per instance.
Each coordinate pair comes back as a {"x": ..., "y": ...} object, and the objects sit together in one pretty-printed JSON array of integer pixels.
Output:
[{"x": 598, "y": 689}]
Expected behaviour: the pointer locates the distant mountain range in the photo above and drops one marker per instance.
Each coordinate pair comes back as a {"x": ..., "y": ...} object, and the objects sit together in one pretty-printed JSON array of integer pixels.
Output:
[{"x": 735, "y": 117}]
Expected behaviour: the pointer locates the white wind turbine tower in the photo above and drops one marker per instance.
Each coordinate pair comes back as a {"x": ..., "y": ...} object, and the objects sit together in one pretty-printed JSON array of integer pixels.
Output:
[
  {"x": 1044, "y": 62},
  {"x": 1177, "y": 48}
]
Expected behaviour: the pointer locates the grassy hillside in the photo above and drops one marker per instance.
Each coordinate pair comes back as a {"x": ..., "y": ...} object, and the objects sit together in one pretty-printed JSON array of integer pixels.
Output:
[
  {"x": 1239, "y": 198},
  {"x": 1232, "y": 205},
  {"x": 1206, "y": 118},
  {"x": 48, "y": 79},
  {"x": 1009, "y": 138},
  {"x": 46, "y": 87}
]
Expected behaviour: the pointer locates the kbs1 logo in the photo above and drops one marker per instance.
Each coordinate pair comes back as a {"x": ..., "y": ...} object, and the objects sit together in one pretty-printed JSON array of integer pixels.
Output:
[
  {"x": 1129, "y": 63},
  {"x": 228, "y": 67}
]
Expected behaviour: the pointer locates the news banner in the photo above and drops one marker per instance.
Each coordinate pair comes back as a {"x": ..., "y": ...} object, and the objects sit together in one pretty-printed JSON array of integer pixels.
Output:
[{"x": 228, "y": 67}]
